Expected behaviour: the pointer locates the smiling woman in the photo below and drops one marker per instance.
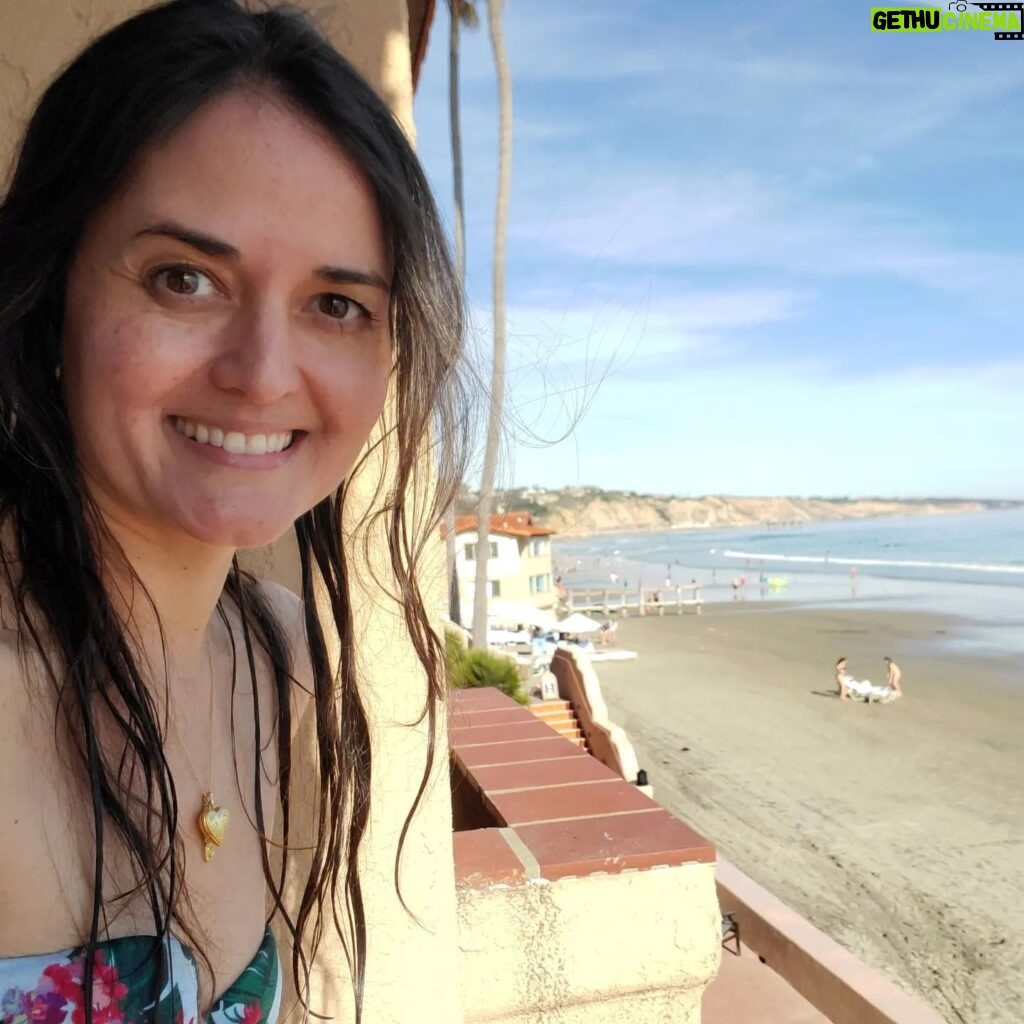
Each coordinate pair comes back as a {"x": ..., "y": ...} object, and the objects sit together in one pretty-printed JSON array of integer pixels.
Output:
[
  {"x": 226, "y": 259},
  {"x": 219, "y": 298}
]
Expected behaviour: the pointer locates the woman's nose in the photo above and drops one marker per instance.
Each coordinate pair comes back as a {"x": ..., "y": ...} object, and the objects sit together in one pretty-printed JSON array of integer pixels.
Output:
[{"x": 257, "y": 357}]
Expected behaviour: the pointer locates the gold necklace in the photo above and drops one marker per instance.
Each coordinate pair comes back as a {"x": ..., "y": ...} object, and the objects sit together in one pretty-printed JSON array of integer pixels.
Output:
[{"x": 212, "y": 820}]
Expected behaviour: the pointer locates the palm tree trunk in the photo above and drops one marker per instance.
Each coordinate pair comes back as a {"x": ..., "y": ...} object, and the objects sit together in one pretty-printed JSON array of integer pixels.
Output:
[
  {"x": 486, "y": 503},
  {"x": 454, "y": 10},
  {"x": 456, "y": 126}
]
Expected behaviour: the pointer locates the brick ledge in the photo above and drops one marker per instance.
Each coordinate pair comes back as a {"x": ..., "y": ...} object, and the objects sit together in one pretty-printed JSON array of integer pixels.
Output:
[{"x": 545, "y": 824}]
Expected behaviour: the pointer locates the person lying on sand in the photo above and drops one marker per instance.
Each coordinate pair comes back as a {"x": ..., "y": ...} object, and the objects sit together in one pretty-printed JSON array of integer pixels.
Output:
[
  {"x": 845, "y": 683},
  {"x": 864, "y": 689}
]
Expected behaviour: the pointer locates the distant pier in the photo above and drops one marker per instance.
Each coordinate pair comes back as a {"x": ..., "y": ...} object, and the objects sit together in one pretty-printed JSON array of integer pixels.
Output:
[{"x": 640, "y": 601}]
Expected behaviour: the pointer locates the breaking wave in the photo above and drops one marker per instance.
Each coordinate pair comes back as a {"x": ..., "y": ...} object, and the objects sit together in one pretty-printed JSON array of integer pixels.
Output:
[{"x": 763, "y": 556}]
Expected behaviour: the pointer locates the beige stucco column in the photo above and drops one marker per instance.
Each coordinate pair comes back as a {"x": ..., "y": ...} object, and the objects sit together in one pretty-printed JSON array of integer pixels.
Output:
[{"x": 412, "y": 963}]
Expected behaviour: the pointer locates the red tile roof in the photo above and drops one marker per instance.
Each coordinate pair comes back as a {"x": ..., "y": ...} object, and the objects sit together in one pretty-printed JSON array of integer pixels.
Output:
[{"x": 512, "y": 524}]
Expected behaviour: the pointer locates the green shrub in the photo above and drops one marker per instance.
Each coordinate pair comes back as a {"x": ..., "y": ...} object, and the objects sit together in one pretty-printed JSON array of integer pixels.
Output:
[
  {"x": 468, "y": 669},
  {"x": 453, "y": 649}
]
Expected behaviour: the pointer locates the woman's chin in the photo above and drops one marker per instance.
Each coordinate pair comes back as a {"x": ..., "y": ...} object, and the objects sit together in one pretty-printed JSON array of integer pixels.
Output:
[{"x": 240, "y": 533}]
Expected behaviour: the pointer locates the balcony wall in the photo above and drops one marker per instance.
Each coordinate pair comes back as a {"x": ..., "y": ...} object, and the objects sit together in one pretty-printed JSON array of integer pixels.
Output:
[
  {"x": 828, "y": 976},
  {"x": 579, "y": 685},
  {"x": 579, "y": 898}
]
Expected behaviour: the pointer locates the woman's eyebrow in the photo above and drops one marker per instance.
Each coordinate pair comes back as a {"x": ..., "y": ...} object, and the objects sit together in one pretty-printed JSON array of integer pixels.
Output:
[
  {"x": 215, "y": 247},
  {"x": 346, "y": 275},
  {"x": 196, "y": 239}
]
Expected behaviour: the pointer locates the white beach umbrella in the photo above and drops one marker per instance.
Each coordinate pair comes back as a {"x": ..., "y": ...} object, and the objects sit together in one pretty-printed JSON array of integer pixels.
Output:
[
  {"x": 578, "y": 623},
  {"x": 520, "y": 613}
]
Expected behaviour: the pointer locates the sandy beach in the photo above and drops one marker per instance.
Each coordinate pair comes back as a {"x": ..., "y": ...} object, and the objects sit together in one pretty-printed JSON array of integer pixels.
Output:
[{"x": 897, "y": 829}]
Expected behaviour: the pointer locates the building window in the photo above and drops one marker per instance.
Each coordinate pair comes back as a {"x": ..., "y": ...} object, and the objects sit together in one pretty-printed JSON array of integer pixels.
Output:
[
  {"x": 494, "y": 588},
  {"x": 540, "y": 584},
  {"x": 538, "y": 546},
  {"x": 470, "y": 551}
]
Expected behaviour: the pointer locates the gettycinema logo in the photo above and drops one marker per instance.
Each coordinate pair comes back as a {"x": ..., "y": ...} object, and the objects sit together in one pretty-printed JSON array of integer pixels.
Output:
[{"x": 1002, "y": 19}]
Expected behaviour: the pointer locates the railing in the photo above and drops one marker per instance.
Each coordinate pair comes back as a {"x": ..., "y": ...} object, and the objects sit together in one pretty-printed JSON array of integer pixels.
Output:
[
  {"x": 643, "y": 601},
  {"x": 828, "y": 976}
]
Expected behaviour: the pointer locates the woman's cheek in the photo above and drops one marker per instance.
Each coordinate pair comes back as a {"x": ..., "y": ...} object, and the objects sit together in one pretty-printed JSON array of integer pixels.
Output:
[
  {"x": 138, "y": 355},
  {"x": 363, "y": 380}
]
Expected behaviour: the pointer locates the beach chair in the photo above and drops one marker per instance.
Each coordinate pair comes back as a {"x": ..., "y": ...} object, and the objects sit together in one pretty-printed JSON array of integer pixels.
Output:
[{"x": 731, "y": 932}]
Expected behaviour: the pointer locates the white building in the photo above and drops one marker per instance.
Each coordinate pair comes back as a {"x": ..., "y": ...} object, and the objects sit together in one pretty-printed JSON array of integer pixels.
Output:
[{"x": 518, "y": 559}]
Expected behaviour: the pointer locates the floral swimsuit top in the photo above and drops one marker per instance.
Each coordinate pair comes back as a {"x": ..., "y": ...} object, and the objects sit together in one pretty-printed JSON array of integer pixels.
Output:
[{"x": 50, "y": 989}]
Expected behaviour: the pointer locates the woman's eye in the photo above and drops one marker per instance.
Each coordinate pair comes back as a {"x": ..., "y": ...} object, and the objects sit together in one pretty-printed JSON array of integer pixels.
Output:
[
  {"x": 183, "y": 281},
  {"x": 339, "y": 308}
]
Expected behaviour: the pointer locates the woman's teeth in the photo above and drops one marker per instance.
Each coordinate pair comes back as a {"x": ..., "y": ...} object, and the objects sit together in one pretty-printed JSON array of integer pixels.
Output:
[{"x": 232, "y": 440}]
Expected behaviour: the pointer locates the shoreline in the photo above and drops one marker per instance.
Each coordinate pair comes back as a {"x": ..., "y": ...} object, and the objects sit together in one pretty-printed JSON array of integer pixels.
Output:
[
  {"x": 893, "y": 828},
  {"x": 973, "y": 621}
]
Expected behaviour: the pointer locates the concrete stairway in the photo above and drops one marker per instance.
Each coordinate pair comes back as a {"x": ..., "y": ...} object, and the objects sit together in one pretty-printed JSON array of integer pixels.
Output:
[{"x": 561, "y": 717}]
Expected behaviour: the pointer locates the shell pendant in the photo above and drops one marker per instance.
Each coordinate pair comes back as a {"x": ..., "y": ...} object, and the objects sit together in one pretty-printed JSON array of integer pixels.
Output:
[{"x": 213, "y": 826}]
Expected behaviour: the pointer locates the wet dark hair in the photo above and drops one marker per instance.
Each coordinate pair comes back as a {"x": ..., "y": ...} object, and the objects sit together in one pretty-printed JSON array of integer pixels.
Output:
[
  {"x": 134, "y": 86},
  {"x": 839, "y": 661}
]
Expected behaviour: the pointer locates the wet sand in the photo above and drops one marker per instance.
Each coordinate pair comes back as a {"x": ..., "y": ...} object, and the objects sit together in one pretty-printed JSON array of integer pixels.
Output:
[{"x": 896, "y": 829}]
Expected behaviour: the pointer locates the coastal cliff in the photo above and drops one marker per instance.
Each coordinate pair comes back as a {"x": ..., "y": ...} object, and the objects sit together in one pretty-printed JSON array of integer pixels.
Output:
[{"x": 582, "y": 511}]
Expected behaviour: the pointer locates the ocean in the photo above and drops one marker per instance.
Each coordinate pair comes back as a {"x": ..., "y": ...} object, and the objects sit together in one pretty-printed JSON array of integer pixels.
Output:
[{"x": 970, "y": 567}]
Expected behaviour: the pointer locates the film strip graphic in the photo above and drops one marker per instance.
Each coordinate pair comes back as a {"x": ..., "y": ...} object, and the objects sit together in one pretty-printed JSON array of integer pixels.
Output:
[{"x": 1018, "y": 7}]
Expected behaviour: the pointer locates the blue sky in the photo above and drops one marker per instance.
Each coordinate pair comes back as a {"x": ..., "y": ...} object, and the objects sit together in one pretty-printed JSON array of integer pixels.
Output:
[{"x": 754, "y": 248}]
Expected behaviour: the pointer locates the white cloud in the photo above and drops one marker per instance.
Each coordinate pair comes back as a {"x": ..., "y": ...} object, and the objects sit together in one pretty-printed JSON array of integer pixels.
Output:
[
  {"x": 628, "y": 335},
  {"x": 897, "y": 101},
  {"x": 740, "y": 221},
  {"x": 682, "y": 311}
]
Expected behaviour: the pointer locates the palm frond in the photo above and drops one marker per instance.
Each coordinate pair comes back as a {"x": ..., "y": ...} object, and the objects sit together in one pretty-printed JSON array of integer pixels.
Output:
[{"x": 466, "y": 11}]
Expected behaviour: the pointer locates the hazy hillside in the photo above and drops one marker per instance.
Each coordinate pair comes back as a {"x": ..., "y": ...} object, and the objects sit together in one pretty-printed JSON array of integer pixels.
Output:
[{"x": 587, "y": 510}]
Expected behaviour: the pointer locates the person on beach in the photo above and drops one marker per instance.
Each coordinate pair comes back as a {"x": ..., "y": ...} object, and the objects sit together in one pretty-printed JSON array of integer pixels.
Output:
[
  {"x": 864, "y": 689},
  {"x": 844, "y": 680},
  {"x": 222, "y": 272},
  {"x": 895, "y": 675}
]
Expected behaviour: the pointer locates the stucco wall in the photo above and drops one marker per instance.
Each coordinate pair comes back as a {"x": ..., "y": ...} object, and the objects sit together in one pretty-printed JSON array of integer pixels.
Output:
[
  {"x": 580, "y": 900},
  {"x": 579, "y": 684},
  {"x": 601, "y": 948},
  {"x": 38, "y": 36},
  {"x": 406, "y": 957}
]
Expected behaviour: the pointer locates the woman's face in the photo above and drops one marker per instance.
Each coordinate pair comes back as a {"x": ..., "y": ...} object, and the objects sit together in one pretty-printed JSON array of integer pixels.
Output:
[{"x": 226, "y": 348}]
